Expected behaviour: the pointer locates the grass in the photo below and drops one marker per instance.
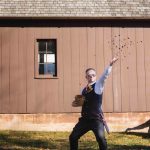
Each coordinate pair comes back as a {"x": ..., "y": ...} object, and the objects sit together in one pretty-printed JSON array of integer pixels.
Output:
[{"x": 19, "y": 140}]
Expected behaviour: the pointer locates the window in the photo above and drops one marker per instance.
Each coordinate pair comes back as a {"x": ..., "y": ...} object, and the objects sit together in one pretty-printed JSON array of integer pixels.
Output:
[{"x": 46, "y": 65}]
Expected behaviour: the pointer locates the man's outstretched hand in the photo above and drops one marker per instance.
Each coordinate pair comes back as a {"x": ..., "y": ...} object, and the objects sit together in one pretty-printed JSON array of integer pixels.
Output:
[{"x": 113, "y": 61}]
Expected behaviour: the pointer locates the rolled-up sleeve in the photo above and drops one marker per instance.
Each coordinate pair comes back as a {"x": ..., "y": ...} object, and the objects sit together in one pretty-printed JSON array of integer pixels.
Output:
[{"x": 99, "y": 86}]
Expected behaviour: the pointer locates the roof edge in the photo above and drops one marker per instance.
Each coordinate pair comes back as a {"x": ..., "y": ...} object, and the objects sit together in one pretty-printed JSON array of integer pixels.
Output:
[{"x": 77, "y": 17}]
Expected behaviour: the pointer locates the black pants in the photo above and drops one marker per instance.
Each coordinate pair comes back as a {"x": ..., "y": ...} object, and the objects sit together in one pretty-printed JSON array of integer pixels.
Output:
[{"x": 82, "y": 127}]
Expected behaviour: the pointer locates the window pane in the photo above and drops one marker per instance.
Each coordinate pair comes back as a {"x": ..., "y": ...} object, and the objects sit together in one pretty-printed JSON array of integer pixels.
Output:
[
  {"x": 50, "y": 58},
  {"x": 51, "y": 69},
  {"x": 41, "y": 69},
  {"x": 41, "y": 58},
  {"x": 47, "y": 69},
  {"x": 42, "y": 46},
  {"x": 51, "y": 46}
]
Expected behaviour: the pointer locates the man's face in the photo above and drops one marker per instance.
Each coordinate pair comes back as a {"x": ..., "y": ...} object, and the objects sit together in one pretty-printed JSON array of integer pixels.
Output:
[{"x": 91, "y": 76}]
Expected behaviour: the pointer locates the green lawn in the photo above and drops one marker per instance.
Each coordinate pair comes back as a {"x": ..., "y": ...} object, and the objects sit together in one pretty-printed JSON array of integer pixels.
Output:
[{"x": 59, "y": 141}]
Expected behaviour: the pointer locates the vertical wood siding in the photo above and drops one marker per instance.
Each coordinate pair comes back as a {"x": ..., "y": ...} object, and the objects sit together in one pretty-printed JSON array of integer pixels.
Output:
[
  {"x": 127, "y": 88},
  {"x": 5, "y": 70},
  {"x": 0, "y": 72},
  {"x": 147, "y": 66}
]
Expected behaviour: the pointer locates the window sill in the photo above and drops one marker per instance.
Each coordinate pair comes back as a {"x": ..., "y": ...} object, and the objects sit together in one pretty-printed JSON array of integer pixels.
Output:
[{"x": 45, "y": 77}]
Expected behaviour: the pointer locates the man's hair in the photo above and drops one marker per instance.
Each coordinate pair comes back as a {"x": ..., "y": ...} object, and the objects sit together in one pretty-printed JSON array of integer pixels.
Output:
[{"x": 89, "y": 70}]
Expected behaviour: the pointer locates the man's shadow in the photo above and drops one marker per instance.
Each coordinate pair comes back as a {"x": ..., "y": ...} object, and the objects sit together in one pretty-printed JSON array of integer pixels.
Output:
[{"x": 141, "y": 126}]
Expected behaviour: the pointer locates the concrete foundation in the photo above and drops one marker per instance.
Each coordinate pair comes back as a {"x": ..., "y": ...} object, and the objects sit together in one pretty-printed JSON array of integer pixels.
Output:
[{"x": 66, "y": 121}]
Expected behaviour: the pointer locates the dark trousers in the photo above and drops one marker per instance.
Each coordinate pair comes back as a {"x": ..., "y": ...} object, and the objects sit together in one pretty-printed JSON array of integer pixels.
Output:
[{"x": 82, "y": 127}]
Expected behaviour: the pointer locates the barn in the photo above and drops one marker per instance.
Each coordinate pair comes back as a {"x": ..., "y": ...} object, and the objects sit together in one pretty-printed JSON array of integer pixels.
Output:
[{"x": 45, "y": 48}]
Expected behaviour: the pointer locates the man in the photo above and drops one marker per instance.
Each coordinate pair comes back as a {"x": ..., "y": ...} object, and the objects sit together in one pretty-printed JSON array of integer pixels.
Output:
[{"x": 92, "y": 115}]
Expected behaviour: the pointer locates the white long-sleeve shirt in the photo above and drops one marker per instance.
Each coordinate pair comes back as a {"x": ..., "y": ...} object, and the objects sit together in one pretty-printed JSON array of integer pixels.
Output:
[{"x": 99, "y": 86}]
